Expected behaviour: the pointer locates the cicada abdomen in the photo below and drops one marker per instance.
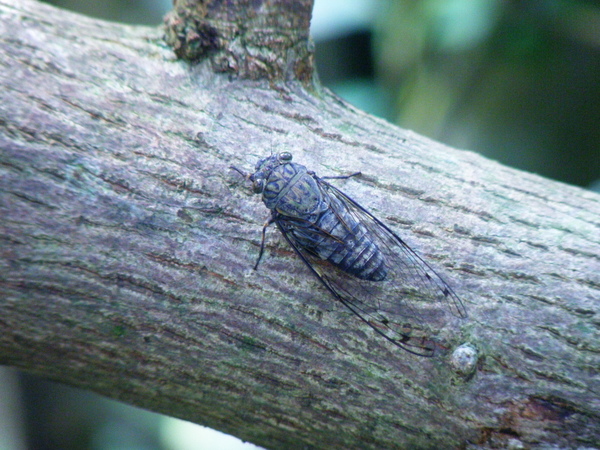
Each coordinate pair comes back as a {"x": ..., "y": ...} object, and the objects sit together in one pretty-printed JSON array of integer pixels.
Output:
[{"x": 336, "y": 236}]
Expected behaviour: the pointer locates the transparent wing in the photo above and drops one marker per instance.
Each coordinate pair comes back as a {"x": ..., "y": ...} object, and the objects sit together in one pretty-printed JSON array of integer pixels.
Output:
[
  {"x": 349, "y": 291},
  {"x": 406, "y": 266},
  {"x": 383, "y": 305}
]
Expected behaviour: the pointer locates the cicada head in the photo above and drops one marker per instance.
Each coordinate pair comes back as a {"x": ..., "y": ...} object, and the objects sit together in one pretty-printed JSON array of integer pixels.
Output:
[{"x": 264, "y": 167}]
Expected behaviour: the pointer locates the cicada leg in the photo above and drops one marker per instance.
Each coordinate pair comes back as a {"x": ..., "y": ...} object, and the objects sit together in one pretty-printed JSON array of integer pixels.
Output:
[
  {"x": 341, "y": 177},
  {"x": 262, "y": 242}
]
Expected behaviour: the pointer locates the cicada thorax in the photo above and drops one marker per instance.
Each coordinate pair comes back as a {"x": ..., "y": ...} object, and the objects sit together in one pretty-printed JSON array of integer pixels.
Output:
[
  {"x": 321, "y": 224},
  {"x": 292, "y": 192}
]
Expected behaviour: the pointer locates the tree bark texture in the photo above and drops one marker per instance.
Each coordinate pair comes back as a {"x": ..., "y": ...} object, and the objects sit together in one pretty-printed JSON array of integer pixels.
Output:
[
  {"x": 251, "y": 39},
  {"x": 128, "y": 245}
]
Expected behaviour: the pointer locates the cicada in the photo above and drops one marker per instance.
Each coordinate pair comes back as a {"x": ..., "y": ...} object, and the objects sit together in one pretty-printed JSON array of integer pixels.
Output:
[{"x": 365, "y": 265}]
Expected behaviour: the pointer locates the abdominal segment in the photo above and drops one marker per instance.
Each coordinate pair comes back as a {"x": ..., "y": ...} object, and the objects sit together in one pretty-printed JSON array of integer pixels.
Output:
[{"x": 336, "y": 236}]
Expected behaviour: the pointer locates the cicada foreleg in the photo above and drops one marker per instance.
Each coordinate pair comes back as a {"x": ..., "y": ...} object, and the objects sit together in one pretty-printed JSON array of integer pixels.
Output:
[
  {"x": 271, "y": 219},
  {"x": 262, "y": 242}
]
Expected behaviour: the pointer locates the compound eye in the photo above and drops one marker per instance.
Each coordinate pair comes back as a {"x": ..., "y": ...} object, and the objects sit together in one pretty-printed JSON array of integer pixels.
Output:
[
  {"x": 285, "y": 156},
  {"x": 258, "y": 185}
]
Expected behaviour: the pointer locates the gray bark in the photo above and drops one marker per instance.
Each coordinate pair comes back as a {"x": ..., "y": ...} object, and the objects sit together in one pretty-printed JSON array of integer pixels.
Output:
[{"x": 127, "y": 248}]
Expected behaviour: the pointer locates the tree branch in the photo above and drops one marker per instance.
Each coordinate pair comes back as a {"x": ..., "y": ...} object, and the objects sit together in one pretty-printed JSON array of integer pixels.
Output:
[{"x": 127, "y": 247}]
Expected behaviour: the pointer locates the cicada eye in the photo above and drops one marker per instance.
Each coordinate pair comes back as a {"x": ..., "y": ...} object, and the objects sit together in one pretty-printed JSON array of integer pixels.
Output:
[
  {"x": 258, "y": 185},
  {"x": 285, "y": 156}
]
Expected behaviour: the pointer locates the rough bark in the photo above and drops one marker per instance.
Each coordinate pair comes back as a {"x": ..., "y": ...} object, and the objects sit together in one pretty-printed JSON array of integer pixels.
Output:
[
  {"x": 127, "y": 247},
  {"x": 244, "y": 37}
]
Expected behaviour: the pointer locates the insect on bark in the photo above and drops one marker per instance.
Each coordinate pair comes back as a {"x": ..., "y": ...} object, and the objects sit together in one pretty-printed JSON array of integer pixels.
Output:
[{"x": 360, "y": 260}]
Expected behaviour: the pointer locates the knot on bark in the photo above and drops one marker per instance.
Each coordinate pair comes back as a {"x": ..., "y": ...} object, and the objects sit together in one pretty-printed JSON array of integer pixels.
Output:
[{"x": 251, "y": 39}]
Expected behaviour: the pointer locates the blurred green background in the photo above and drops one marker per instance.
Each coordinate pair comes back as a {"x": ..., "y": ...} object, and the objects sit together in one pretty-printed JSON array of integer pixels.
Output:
[{"x": 516, "y": 81}]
